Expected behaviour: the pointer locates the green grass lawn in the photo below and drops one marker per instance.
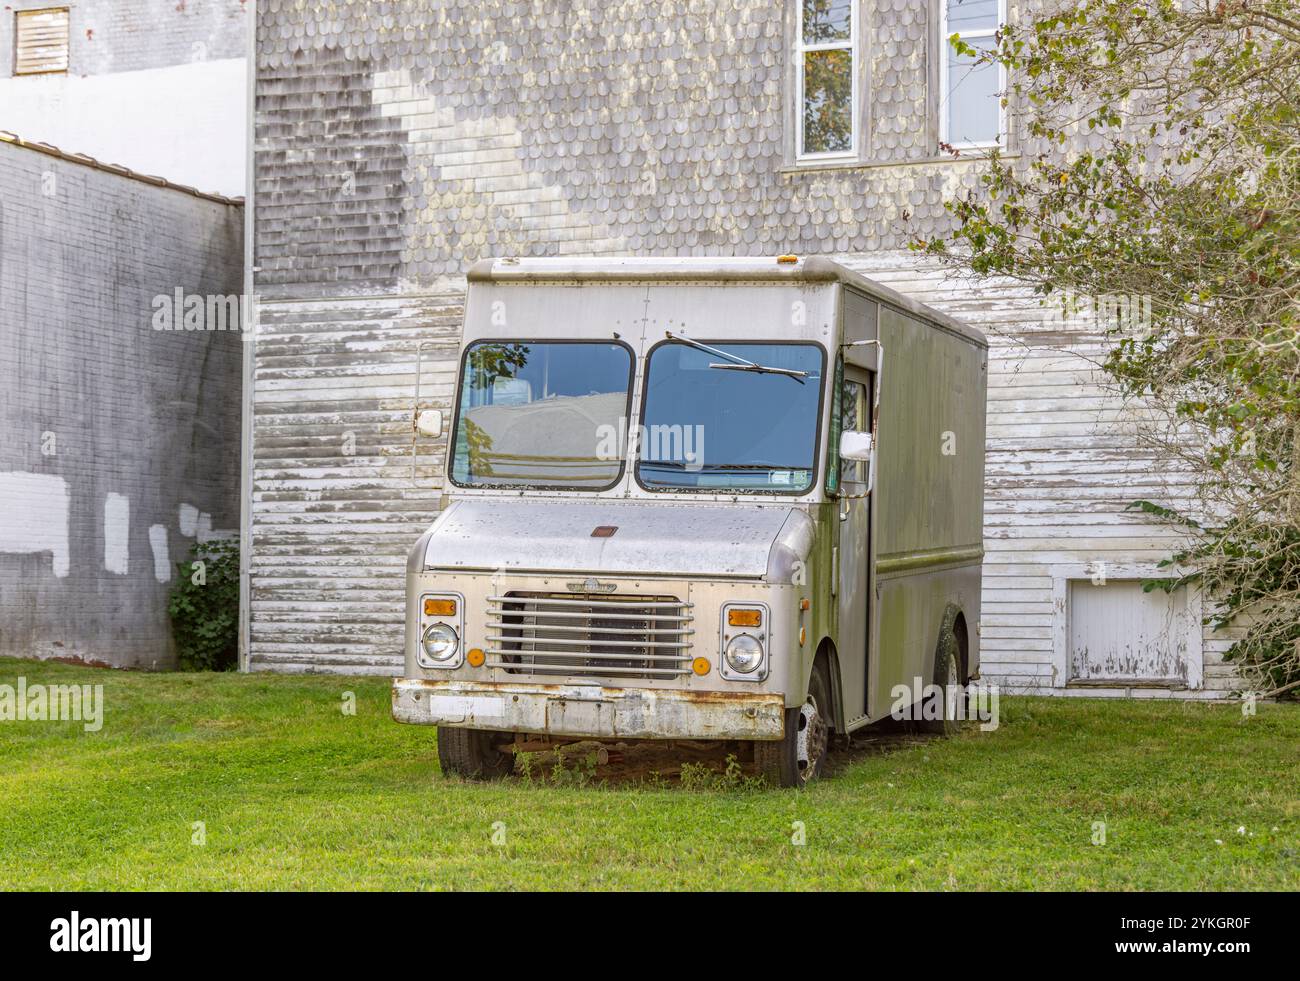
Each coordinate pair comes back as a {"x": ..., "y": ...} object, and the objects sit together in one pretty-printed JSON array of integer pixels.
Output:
[{"x": 294, "y": 794}]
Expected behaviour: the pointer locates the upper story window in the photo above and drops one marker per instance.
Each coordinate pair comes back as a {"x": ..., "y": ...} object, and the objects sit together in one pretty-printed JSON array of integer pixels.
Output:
[
  {"x": 826, "y": 55},
  {"x": 41, "y": 41},
  {"x": 970, "y": 111}
]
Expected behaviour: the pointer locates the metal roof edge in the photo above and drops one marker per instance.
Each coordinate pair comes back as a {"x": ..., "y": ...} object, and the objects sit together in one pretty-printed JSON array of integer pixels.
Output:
[{"x": 85, "y": 160}]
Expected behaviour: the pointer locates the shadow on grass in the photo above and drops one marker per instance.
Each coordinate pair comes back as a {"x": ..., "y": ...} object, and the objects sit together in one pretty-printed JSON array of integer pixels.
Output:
[{"x": 632, "y": 763}]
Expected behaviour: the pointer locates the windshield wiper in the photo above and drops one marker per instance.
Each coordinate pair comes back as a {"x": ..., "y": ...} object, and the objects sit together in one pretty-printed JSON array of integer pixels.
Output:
[
  {"x": 762, "y": 369},
  {"x": 738, "y": 363}
]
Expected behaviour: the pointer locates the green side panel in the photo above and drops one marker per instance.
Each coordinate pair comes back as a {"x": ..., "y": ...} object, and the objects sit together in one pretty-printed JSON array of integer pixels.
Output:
[{"x": 930, "y": 472}]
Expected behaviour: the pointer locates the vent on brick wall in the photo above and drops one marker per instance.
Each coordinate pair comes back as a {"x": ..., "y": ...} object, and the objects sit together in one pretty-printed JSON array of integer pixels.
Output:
[{"x": 41, "y": 41}]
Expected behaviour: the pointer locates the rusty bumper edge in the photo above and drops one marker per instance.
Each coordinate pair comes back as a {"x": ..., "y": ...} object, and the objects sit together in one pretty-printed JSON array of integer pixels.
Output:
[{"x": 590, "y": 710}]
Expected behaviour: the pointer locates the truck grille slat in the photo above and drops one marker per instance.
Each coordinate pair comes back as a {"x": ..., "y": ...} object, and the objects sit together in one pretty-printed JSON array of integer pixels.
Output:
[
  {"x": 590, "y": 635},
  {"x": 639, "y": 672},
  {"x": 618, "y": 617},
  {"x": 634, "y": 658},
  {"x": 603, "y": 643},
  {"x": 596, "y": 600},
  {"x": 553, "y": 628}
]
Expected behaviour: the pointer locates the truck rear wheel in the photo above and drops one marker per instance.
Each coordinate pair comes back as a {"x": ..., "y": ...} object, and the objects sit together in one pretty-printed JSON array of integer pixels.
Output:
[
  {"x": 947, "y": 671},
  {"x": 473, "y": 753},
  {"x": 800, "y": 756}
]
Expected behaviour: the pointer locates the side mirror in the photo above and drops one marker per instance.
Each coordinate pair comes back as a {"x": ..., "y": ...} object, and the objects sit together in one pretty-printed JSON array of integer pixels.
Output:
[
  {"x": 429, "y": 423},
  {"x": 856, "y": 446}
]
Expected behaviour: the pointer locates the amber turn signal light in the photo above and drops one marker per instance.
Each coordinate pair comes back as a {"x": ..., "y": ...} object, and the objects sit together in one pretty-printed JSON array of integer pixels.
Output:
[
  {"x": 744, "y": 618},
  {"x": 701, "y": 666},
  {"x": 440, "y": 608},
  {"x": 475, "y": 657}
]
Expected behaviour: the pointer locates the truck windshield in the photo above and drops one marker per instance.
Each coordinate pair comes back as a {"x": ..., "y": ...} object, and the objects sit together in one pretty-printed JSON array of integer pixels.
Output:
[
  {"x": 712, "y": 424},
  {"x": 546, "y": 414}
]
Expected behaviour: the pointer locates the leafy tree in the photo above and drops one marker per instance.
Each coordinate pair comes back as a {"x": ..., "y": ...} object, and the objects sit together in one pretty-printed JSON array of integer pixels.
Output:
[
  {"x": 492, "y": 361},
  {"x": 1160, "y": 159}
]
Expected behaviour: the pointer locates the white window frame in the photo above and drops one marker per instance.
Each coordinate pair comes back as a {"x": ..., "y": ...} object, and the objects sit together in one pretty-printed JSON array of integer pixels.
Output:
[
  {"x": 945, "y": 135},
  {"x": 852, "y": 46}
]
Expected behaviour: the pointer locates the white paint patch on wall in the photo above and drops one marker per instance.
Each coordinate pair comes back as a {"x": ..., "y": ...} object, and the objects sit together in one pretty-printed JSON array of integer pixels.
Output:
[
  {"x": 489, "y": 147},
  {"x": 34, "y": 516},
  {"x": 184, "y": 122},
  {"x": 117, "y": 533},
  {"x": 195, "y": 523},
  {"x": 162, "y": 560}
]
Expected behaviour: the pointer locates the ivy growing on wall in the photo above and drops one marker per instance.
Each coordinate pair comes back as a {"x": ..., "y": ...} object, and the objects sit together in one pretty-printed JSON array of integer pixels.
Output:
[{"x": 204, "y": 607}]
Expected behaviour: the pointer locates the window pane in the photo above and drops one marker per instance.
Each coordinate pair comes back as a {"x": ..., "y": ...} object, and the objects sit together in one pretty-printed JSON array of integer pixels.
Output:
[
  {"x": 972, "y": 15},
  {"x": 833, "y": 440},
  {"x": 973, "y": 97},
  {"x": 853, "y": 400},
  {"x": 709, "y": 428},
  {"x": 827, "y": 101},
  {"x": 541, "y": 414},
  {"x": 849, "y": 392},
  {"x": 826, "y": 20}
]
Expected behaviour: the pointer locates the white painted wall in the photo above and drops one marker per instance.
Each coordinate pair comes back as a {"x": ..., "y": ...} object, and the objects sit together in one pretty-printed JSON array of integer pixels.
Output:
[{"x": 184, "y": 122}]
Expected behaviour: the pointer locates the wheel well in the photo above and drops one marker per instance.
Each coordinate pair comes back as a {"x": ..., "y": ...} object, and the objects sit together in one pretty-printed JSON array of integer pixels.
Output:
[
  {"x": 963, "y": 646},
  {"x": 828, "y": 657}
]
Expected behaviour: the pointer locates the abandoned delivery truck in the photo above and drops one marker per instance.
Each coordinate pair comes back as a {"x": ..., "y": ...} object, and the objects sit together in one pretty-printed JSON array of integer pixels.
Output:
[{"x": 705, "y": 499}]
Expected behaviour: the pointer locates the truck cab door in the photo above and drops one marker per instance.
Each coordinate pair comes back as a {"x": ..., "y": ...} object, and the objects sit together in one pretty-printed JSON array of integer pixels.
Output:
[{"x": 853, "y": 586}]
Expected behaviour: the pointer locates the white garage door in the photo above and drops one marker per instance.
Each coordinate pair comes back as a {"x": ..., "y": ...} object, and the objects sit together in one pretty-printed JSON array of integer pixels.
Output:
[{"x": 1117, "y": 633}]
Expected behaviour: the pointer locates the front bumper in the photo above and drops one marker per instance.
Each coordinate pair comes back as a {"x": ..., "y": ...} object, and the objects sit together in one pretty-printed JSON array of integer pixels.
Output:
[{"x": 590, "y": 710}]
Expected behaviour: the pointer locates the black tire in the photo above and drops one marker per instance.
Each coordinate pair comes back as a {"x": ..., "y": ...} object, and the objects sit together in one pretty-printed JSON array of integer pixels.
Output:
[
  {"x": 947, "y": 670},
  {"x": 800, "y": 755},
  {"x": 473, "y": 753}
]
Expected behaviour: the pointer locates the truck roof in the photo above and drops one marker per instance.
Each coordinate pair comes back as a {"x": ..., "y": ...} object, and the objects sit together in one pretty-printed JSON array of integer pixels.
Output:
[{"x": 810, "y": 269}]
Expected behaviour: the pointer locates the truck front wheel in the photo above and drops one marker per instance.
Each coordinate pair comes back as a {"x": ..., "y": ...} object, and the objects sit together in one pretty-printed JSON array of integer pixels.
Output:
[
  {"x": 800, "y": 756},
  {"x": 473, "y": 753}
]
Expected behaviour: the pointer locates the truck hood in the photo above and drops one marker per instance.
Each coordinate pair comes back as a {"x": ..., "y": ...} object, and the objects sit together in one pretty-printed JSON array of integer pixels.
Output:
[{"x": 680, "y": 540}]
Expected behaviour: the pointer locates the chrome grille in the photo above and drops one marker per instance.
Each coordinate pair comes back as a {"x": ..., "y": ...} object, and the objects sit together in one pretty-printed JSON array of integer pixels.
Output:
[{"x": 624, "y": 638}]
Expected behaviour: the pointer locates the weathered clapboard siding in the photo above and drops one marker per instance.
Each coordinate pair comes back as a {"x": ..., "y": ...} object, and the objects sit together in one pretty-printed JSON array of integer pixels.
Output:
[{"x": 334, "y": 507}]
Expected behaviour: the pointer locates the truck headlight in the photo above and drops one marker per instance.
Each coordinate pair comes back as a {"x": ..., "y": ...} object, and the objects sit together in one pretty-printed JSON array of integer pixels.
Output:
[
  {"x": 744, "y": 653},
  {"x": 440, "y": 641}
]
